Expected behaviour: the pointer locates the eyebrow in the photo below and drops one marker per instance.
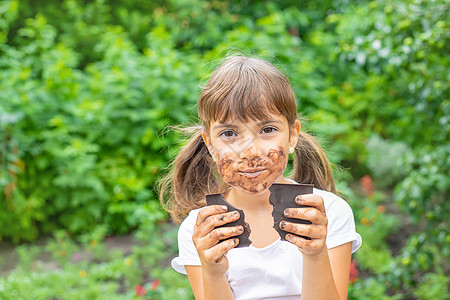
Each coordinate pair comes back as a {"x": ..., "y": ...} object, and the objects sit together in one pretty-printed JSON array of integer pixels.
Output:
[
  {"x": 233, "y": 126},
  {"x": 269, "y": 121},
  {"x": 225, "y": 126}
]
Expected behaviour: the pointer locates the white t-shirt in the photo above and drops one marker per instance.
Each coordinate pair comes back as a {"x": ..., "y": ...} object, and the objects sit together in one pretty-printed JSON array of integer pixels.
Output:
[{"x": 275, "y": 271}]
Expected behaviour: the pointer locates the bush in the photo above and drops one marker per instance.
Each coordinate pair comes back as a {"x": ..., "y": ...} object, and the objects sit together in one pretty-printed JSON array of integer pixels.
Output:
[{"x": 82, "y": 146}]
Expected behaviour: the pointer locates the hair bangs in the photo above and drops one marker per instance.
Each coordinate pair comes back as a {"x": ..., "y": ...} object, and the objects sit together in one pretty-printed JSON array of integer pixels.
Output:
[
  {"x": 246, "y": 89},
  {"x": 247, "y": 100}
]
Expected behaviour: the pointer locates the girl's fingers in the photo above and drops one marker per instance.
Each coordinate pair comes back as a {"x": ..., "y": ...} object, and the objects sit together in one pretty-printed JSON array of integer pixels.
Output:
[
  {"x": 317, "y": 231},
  {"x": 207, "y": 236},
  {"x": 309, "y": 230},
  {"x": 307, "y": 213},
  {"x": 216, "y": 253},
  {"x": 207, "y": 211},
  {"x": 309, "y": 247},
  {"x": 218, "y": 234},
  {"x": 213, "y": 216},
  {"x": 315, "y": 201}
]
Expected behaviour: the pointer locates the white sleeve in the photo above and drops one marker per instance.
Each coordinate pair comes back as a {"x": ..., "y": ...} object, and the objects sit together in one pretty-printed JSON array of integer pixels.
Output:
[
  {"x": 187, "y": 253},
  {"x": 341, "y": 223}
]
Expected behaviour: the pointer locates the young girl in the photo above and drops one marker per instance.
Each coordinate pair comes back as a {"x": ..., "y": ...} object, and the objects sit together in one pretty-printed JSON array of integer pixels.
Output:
[{"x": 249, "y": 127}]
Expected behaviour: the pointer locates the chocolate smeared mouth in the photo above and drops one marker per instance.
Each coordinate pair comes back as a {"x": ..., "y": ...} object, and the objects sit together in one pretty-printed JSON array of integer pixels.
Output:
[
  {"x": 252, "y": 173},
  {"x": 255, "y": 175},
  {"x": 251, "y": 170}
]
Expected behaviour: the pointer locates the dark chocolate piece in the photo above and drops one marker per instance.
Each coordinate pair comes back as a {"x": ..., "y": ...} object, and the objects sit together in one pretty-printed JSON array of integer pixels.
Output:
[
  {"x": 282, "y": 196},
  {"x": 218, "y": 199}
]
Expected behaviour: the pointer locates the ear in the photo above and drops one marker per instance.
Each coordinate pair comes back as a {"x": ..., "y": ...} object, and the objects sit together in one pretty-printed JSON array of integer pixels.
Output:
[
  {"x": 295, "y": 132},
  {"x": 207, "y": 140}
]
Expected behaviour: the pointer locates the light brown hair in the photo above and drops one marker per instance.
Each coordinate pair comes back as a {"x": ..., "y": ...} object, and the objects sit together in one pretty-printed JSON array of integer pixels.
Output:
[{"x": 241, "y": 87}]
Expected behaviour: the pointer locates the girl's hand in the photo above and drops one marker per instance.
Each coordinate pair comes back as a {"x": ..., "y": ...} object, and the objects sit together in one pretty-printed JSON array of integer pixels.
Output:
[
  {"x": 317, "y": 231},
  {"x": 206, "y": 238}
]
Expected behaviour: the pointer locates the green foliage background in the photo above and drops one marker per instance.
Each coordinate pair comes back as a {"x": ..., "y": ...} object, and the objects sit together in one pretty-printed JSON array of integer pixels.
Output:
[{"x": 88, "y": 87}]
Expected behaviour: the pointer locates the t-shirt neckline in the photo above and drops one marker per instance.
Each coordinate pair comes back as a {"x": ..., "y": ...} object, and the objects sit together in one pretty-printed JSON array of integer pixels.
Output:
[{"x": 273, "y": 244}]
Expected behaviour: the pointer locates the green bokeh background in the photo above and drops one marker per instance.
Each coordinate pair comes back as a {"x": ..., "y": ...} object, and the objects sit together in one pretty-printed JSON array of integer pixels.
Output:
[{"x": 88, "y": 88}]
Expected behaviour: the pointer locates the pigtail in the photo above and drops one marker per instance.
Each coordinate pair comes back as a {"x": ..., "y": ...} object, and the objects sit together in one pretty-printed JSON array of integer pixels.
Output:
[
  {"x": 311, "y": 164},
  {"x": 191, "y": 176}
]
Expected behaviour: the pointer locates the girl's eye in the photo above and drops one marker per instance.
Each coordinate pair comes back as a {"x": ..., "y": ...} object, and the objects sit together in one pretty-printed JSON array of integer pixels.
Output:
[
  {"x": 268, "y": 130},
  {"x": 227, "y": 133}
]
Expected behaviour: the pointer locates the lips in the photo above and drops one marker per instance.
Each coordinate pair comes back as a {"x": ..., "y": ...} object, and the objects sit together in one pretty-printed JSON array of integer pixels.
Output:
[{"x": 252, "y": 173}]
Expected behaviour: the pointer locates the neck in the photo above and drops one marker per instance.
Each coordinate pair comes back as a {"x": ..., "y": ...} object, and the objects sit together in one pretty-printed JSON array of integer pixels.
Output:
[{"x": 248, "y": 201}]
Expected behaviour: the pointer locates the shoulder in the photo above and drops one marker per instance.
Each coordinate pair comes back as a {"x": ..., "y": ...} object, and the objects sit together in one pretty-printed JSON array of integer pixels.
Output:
[
  {"x": 332, "y": 201},
  {"x": 329, "y": 198},
  {"x": 189, "y": 223},
  {"x": 335, "y": 206},
  {"x": 187, "y": 252},
  {"x": 341, "y": 222}
]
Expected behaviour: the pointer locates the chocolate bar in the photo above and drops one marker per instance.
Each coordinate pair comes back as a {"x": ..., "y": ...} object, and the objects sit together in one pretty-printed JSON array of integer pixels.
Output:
[
  {"x": 218, "y": 199},
  {"x": 282, "y": 196}
]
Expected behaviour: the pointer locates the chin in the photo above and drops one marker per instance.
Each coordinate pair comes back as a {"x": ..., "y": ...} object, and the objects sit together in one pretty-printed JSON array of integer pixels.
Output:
[
  {"x": 257, "y": 193},
  {"x": 254, "y": 192}
]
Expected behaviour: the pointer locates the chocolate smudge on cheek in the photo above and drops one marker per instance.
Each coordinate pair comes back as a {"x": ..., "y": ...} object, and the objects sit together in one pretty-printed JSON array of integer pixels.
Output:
[{"x": 226, "y": 167}]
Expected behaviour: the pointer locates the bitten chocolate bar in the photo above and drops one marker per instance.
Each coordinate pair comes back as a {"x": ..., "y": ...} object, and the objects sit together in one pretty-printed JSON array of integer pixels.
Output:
[
  {"x": 218, "y": 199},
  {"x": 282, "y": 196}
]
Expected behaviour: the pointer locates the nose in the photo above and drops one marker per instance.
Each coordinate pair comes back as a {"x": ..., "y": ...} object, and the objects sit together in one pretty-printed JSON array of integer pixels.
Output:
[{"x": 250, "y": 152}]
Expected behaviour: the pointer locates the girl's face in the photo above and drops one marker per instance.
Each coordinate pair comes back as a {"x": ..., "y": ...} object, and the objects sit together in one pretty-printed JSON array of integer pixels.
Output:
[{"x": 251, "y": 156}]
